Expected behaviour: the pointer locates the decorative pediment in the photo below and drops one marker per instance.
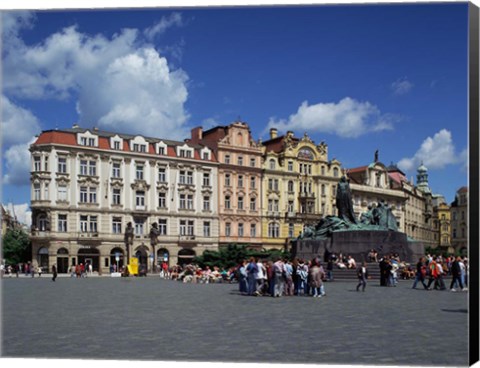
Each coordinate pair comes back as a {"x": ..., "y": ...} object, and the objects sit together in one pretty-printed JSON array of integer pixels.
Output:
[
  {"x": 140, "y": 185},
  {"x": 62, "y": 180},
  {"x": 207, "y": 190},
  {"x": 116, "y": 183},
  {"x": 162, "y": 187},
  {"x": 306, "y": 138},
  {"x": 88, "y": 180}
]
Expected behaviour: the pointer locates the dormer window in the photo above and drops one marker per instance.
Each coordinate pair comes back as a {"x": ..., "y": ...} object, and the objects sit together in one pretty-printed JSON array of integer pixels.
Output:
[
  {"x": 271, "y": 164},
  {"x": 87, "y": 139},
  {"x": 161, "y": 148},
  {"x": 139, "y": 148},
  {"x": 205, "y": 154},
  {"x": 116, "y": 143},
  {"x": 185, "y": 153}
]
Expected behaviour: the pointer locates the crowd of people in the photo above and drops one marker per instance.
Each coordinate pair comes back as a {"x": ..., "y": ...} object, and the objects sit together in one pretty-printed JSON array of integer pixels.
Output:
[
  {"x": 22, "y": 268},
  {"x": 285, "y": 277},
  {"x": 434, "y": 269}
]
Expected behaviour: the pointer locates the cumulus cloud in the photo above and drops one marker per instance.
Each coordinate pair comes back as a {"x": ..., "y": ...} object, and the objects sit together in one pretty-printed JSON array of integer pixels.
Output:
[
  {"x": 17, "y": 124},
  {"x": 121, "y": 82},
  {"x": 401, "y": 86},
  {"x": 17, "y": 164},
  {"x": 21, "y": 211},
  {"x": 435, "y": 152},
  {"x": 348, "y": 118},
  {"x": 175, "y": 19}
]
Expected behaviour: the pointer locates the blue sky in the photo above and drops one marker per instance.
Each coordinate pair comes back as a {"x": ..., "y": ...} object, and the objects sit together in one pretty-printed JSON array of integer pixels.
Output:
[{"x": 360, "y": 78}]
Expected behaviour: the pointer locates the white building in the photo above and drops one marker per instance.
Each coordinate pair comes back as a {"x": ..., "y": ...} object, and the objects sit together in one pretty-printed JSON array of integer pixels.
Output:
[{"x": 87, "y": 185}]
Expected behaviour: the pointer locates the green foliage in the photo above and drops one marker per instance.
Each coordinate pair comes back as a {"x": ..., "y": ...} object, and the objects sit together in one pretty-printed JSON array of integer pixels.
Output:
[
  {"x": 233, "y": 254},
  {"x": 16, "y": 246}
]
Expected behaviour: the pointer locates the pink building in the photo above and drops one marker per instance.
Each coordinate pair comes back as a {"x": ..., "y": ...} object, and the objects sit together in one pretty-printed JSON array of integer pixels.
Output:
[{"x": 239, "y": 181}]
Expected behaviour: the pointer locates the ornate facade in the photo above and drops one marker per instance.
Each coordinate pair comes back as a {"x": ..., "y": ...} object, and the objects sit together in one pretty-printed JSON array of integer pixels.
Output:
[
  {"x": 372, "y": 184},
  {"x": 459, "y": 220},
  {"x": 239, "y": 181},
  {"x": 88, "y": 185},
  {"x": 442, "y": 226},
  {"x": 298, "y": 187}
]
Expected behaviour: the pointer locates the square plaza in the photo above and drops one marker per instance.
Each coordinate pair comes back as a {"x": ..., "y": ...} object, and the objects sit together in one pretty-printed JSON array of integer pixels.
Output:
[{"x": 154, "y": 319}]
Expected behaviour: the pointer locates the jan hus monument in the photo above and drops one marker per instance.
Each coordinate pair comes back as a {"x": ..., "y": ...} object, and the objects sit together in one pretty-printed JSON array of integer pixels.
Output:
[{"x": 375, "y": 229}]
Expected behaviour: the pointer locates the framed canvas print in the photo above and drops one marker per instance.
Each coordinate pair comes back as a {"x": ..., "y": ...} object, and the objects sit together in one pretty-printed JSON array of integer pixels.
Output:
[{"x": 250, "y": 184}]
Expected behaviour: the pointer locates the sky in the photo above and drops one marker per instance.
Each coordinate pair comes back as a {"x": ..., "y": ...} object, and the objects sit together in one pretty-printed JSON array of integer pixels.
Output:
[{"x": 359, "y": 77}]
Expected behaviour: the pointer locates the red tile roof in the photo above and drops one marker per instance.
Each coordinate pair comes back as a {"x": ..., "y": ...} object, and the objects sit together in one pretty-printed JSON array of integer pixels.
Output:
[{"x": 69, "y": 138}]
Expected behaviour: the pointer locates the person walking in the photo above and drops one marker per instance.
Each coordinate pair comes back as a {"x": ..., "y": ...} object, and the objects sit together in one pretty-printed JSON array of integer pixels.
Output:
[
  {"x": 260, "y": 277},
  {"x": 54, "y": 272},
  {"x": 362, "y": 274},
  {"x": 420, "y": 274},
  {"x": 456, "y": 275}
]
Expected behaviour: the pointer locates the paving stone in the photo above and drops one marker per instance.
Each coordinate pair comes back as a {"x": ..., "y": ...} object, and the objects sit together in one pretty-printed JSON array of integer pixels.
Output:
[{"x": 154, "y": 319}]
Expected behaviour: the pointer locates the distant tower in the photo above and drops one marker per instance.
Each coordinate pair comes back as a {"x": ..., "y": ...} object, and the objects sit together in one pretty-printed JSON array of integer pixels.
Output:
[{"x": 422, "y": 179}]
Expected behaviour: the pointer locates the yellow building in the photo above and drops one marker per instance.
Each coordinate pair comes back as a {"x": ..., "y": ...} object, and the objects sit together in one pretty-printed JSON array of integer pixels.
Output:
[
  {"x": 298, "y": 187},
  {"x": 442, "y": 226}
]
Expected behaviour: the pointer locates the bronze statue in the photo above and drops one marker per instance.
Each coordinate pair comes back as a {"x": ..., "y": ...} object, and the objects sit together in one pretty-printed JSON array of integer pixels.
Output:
[
  {"x": 128, "y": 239},
  {"x": 344, "y": 201},
  {"x": 154, "y": 233},
  {"x": 366, "y": 218}
]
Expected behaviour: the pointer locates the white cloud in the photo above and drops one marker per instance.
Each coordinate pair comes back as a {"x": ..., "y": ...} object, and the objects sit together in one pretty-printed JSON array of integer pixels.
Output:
[
  {"x": 17, "y": 164},
  {"x": 347, "y": 118},
  {"x": 401, "y": 86},
  {"x": 122, "y": 83},
  {"x": 17, "y": 124},
  {"x": 21, "y": 211},
  {"x": 435, "y": 153},
  {"x": 175, "y": 19}
]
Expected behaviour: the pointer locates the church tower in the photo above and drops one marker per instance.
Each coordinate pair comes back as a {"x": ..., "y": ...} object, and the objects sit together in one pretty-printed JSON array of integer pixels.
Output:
[{"x": 422, "y": 179}]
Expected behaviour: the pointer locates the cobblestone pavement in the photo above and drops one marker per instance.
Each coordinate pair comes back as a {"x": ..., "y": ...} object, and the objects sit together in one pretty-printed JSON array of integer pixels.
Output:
[{"x": 154, "y": 319}]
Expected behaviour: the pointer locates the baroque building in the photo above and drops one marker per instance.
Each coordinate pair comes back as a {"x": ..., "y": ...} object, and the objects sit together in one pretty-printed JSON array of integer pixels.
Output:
[
  {"x": 459, "y": 220},
  {"x": 89, "y": 185},
  {"x": 442, "y": 225},
  {"x": 239, "y": 181},
  {"x": 298, "y": 186},
  {"x": 373, "y": 183}
]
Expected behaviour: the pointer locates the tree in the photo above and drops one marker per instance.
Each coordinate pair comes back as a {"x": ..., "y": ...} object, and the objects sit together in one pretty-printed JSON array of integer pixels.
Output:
[
  {"x": 233, "y": 254},
  {"x": 17, "y": 247}
]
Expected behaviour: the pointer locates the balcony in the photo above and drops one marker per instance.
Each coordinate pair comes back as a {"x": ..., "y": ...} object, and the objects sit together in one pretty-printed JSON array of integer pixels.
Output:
[
  {"x": 305, "y": 195},
  {"x": 273, "y": 214},
  {"x": 186, "y": 238},
  {"x": 89, "y": 234}
]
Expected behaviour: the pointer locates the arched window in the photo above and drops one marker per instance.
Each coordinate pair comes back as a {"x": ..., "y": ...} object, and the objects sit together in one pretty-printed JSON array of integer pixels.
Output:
[
  {"x": 185, "y": 256},
  {"x": 43, "y": 259},
  {"x": 163, "y": 255},
  {"x": 271, "y": 164},
  {"x": 240, "y": 139},
  {"x": 335, "y": 172}
]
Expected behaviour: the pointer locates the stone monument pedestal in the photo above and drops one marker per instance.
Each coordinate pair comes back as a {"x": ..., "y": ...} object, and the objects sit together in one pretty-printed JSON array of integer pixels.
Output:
[{"x": 358, "y": 244}]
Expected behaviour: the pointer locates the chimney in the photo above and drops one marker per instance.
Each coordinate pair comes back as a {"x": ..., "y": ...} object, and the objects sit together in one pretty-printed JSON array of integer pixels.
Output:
[
  {"x": 75, "y": 126},
  {"x": 273, "y": 133},
  {"x": 197, "y": 134}
]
